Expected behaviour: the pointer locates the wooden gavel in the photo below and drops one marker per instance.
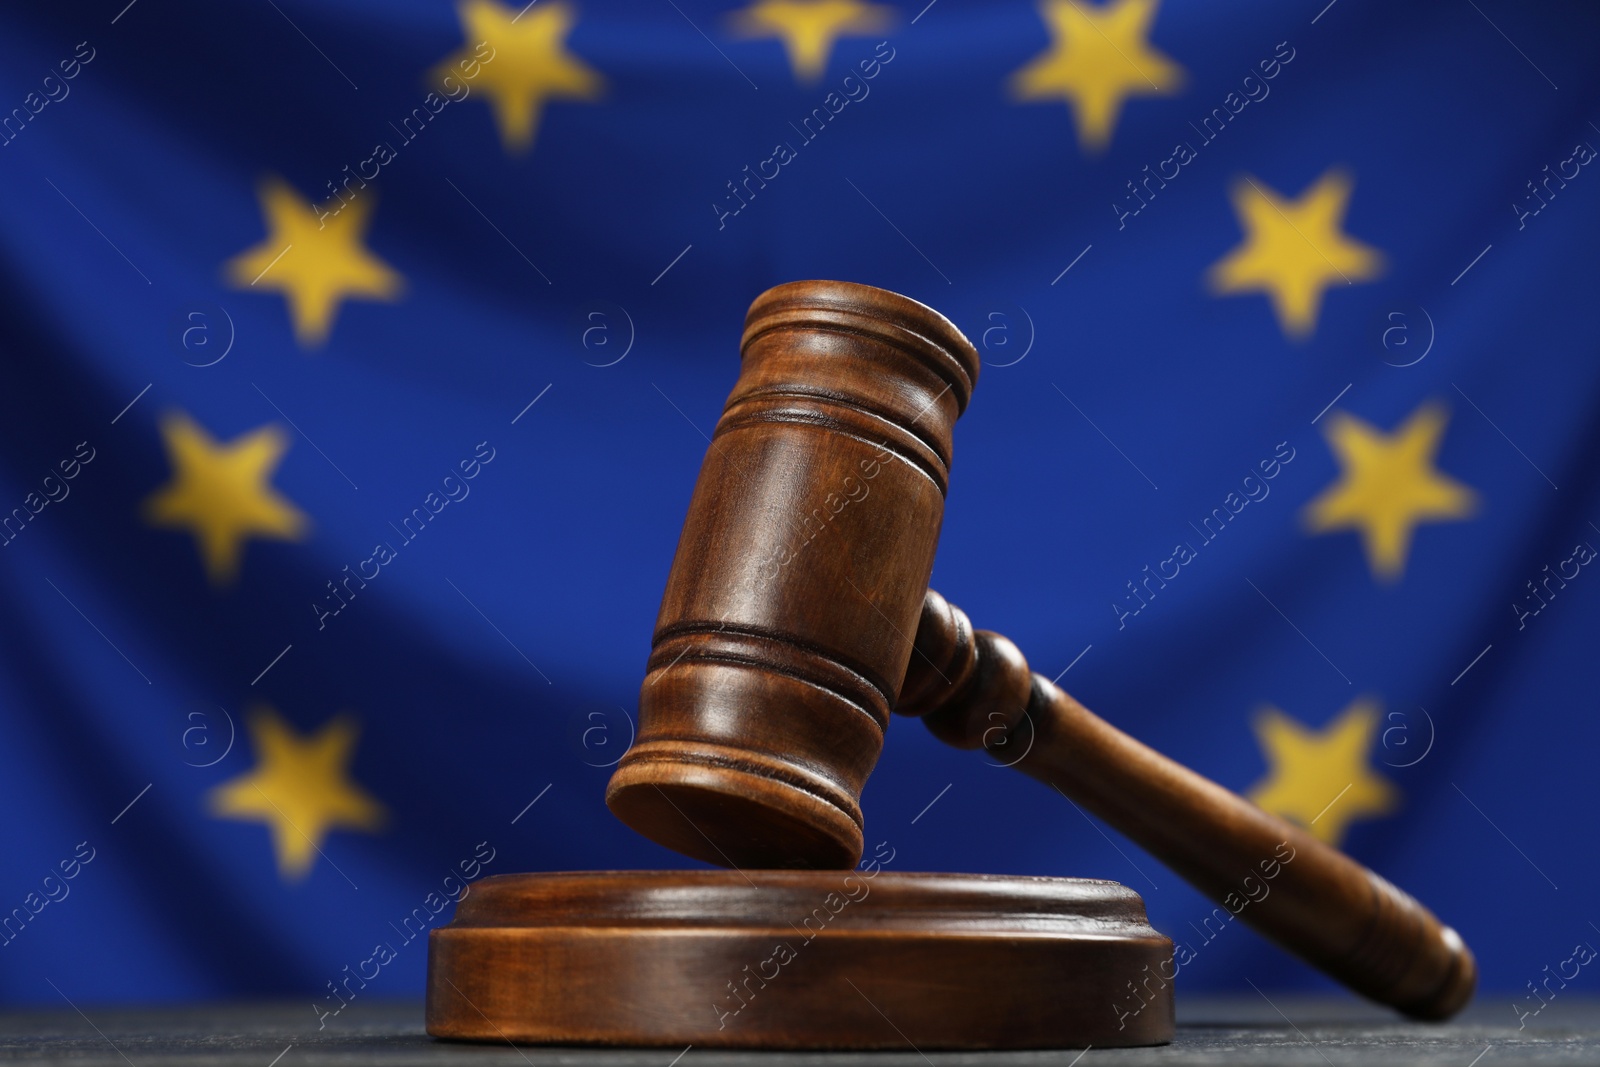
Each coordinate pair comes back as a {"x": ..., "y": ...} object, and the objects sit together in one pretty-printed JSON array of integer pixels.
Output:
[{"x": 798, "y": 614}]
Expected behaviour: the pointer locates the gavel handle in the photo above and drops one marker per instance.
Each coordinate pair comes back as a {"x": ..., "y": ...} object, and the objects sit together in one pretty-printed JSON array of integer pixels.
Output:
[{"x": 975, "y": 690}]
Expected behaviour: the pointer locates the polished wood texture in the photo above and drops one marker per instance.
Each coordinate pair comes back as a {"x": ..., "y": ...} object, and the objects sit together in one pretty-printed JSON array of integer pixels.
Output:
[
  {"x": 867, "y": 959},
  {"x": 974, "y": 690},
  {"x": 785, "y": 637},
  {"x": 788, "y": 616}
]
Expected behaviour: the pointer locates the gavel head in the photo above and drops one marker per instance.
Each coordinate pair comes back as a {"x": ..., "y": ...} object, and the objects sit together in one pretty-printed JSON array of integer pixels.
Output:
[{"x": 789, "y": 615}]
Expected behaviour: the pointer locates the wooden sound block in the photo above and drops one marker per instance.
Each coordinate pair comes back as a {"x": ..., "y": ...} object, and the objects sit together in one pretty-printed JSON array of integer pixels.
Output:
[{"x": 865, "y": 959}]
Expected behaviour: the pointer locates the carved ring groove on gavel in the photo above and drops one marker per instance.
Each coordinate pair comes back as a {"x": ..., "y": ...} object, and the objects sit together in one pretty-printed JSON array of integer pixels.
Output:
[{"x": 798, "y": 615}]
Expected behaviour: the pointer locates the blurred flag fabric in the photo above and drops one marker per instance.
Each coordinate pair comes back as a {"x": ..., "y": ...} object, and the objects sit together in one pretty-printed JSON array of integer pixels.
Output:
[{"x": 360, "y": 357}]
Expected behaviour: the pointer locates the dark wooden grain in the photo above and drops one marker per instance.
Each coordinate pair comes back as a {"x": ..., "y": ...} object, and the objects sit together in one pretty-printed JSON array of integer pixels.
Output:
[
  {"x": 786, "y": 633},
  {"x": 1318, "y": 903},
  {"x": 867, "y": 959},
  {"x": 789, "y": 612}
]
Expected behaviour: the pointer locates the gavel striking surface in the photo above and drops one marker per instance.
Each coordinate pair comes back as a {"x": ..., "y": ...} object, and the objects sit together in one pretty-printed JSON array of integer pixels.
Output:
[{"x": 799, "y": 960}]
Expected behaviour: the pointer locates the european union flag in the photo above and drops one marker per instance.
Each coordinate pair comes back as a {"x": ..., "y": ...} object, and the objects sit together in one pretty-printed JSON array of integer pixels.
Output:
[{"x": 361, "y": 357}]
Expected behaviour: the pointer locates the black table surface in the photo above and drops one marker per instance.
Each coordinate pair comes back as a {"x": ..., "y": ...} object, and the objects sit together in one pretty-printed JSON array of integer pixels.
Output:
[{"x": 1244, "y": 1031}]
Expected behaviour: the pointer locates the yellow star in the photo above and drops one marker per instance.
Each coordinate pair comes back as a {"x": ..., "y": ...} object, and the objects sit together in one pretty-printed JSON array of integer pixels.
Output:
[
  {"x": 527, "y": 64},
  {"x": 315, "y": 259},
  {"x": 222, "y": 493},
  {"x": 1387, "y": 485},
  {"x": 1293, "y": 249},
  {"x": 809, "y": 28},
  {"x": 1099, "y": 56},
  {"x": 1321, "y": 778},
  {"x": 299, "y": 789}
]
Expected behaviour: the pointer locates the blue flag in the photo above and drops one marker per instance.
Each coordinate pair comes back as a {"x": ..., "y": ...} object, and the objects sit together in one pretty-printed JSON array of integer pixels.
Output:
[{"x": 360, "y": 360}]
